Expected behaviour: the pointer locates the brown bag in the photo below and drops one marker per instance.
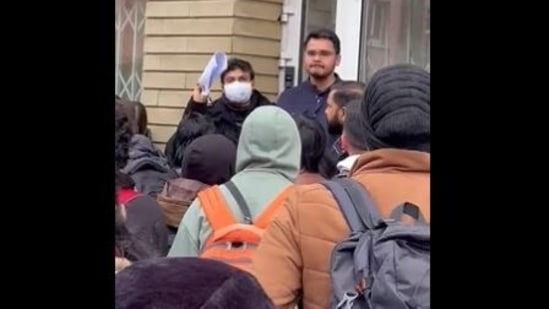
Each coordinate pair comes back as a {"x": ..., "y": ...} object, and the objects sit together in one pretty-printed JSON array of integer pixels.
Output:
[{"x": 176, "y": 197}]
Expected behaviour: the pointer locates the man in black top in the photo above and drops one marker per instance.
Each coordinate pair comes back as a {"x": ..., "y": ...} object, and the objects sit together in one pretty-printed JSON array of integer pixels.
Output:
[{"x": 226, "y": 113}]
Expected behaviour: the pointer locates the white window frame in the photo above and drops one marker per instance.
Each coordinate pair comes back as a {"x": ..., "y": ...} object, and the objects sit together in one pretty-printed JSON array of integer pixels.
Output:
[
  {"x": 290, "y": 44},
  {"x": 348, "y": 27}
]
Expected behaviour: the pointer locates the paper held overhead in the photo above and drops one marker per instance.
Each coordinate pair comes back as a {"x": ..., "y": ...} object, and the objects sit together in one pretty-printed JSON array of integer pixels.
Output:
[{"x": 212, "y": 71}]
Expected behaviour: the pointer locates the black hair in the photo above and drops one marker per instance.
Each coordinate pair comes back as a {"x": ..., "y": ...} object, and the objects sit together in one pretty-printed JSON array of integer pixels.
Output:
[
  {"x": 327, "y": 167},
  {"x": 137, "y": 115},
  {"x": 346, "y": 91},
  {"x": 313, "y": 142},
  {"x": 238, "y": 64},
  {"x": 315, "y": 158},
  {"x": 353, "y": 126},
  {"x": 326, "y": 34},
  {"x": 193, "y": 126},
  {"x": 122, "y": 136}
]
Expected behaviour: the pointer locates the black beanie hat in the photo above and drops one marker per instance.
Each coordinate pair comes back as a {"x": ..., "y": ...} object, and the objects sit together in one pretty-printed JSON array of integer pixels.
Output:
[
  {"x": 174, "y": 283},
  {"x": 209, "y": 159},
  {"x": 396, "y": 109}
]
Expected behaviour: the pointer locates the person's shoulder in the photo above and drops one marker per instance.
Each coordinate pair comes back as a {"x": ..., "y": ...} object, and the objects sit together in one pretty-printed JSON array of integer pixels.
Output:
[
  {"x": 144, "y": 203},
  {"x": 310, "y": 195},
  {"x": 294, "y": 90},
  {"x": 291, "y": 94},
  {"x": 261, "y": 99}
]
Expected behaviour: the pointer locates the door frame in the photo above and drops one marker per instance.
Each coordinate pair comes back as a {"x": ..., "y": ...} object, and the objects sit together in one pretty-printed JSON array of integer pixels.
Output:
[{"x": 348, "y": 28}]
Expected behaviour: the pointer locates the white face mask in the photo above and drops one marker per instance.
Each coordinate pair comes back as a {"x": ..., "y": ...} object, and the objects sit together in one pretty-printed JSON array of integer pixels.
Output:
[{"x": 238, "y": 92}]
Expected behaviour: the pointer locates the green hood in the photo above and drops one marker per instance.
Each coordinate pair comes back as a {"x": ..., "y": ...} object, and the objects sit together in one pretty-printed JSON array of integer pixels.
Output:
[
  {"x": 267, "y": 160},
  {"x": 269, "y": 140}
]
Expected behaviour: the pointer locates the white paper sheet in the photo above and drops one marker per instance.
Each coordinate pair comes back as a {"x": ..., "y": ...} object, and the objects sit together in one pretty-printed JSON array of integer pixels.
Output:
[{"x": 212, "y": 71}]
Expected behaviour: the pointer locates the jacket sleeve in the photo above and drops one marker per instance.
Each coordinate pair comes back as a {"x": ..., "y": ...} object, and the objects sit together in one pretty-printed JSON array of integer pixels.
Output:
[
  {"x": 277, "y": 262},
  {"x": 187, "y": 239},
  {"x": 170, "y": 150},
  {"x": 194, "y": 107}
]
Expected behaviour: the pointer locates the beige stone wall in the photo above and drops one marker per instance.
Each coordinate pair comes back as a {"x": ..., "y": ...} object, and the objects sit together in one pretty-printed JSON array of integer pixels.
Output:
[{"x": 181, "y": 37}]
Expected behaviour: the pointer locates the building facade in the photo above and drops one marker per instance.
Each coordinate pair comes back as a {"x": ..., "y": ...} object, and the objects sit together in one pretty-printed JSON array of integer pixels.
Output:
[{"x": 162, "y": 46}]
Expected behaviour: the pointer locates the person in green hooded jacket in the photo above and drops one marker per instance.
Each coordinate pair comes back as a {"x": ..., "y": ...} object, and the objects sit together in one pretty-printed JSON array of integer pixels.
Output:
[{"x": 267, "y": 161}]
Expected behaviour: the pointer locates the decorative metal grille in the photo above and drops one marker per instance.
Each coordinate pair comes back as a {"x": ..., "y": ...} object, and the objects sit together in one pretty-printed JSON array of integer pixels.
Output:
[{"x": 129, "y": 36}]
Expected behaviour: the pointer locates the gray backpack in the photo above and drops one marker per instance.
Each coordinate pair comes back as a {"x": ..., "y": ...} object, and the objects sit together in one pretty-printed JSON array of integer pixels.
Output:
[{"x": 383, "y": 264}]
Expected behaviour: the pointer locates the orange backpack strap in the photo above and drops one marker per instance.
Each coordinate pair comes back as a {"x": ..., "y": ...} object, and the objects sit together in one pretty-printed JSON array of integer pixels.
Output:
[
  {"x": 215, "y": 209},
  {"x": 268, "y": 214}
]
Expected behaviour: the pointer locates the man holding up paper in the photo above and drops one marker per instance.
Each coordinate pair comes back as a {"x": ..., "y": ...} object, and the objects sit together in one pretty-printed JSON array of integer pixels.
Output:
[
  {"x": 226, "y": 113},
  {"x": 239, "y": 99}
]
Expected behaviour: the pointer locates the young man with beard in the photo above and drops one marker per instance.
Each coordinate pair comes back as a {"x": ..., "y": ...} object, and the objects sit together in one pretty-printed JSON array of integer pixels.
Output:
[
  {"x": 321, "y": 56},
  {"x": 341, "y": 94},
  {"x": 392, "y": 124}
]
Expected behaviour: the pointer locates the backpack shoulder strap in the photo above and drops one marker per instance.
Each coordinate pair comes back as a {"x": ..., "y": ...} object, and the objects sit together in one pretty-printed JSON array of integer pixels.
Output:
[
  {"x": 345, "y": 205},
  {"x": 410, "y": 210},
  {"x": 240, "y": 201},
  {"x": 268, "y": 214},
  {"x": 355, "y": 203},
  {"x": 215, "y": 208}
]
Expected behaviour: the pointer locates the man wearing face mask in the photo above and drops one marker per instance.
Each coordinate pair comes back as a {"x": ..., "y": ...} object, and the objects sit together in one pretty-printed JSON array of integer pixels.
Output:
[{"x": 239, "y": 99}]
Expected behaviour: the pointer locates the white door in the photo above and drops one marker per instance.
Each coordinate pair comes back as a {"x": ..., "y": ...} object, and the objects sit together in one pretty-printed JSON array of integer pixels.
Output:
[
  {"x": 377, "y": 33},
  {"x": 290, "y": 45},
  {"x": 348, "y": 20}
]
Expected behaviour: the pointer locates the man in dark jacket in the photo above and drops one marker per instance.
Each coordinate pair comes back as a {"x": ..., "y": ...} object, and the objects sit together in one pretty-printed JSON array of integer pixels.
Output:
[
  {"x": 228, "y": 112},
  {"x": 322, "y": 50},
  {"x": 239, "y": 99},
  {"x": 340, "y": 95}
]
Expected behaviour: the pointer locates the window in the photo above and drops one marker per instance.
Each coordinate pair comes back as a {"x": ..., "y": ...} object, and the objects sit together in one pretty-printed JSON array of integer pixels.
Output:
[
  {"x": 394, "y": 31},
  {"x": 319, "y": 14},
  {"x": 129, "y": 36}
]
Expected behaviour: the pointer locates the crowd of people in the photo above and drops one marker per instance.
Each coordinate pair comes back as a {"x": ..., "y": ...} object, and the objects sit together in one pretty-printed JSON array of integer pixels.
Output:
[{"x": 239, "y": 211}]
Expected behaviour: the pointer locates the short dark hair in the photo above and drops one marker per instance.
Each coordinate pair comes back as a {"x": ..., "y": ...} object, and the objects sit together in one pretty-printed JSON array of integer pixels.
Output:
[
  {"x": 346, "y": 91},
  {"x": 137, "y": 114},
  {"x": 122, "y": 136},
  {"x": 238, "y": 64},
  {"x": 315, "y": 158},
  {"x": 353, "y": 126},
  {"x": 326, "y": 34},
  {"x": 192, "y": 127},
  {"x": 313, "y": 142}
]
